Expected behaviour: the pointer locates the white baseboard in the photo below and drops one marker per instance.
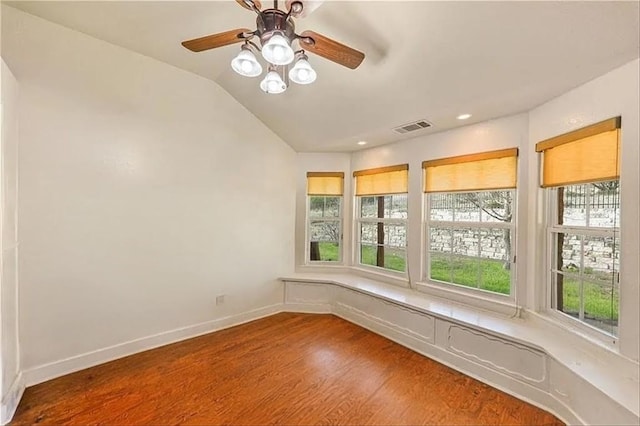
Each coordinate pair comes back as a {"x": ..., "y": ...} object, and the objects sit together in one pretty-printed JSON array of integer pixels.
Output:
[
  {"x": 307, "y": 308},
  {"x": 49, "y": 371},
  {"x": 12, "y": 399}
]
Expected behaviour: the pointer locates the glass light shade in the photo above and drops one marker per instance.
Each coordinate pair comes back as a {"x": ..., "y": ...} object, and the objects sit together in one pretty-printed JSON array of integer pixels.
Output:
[
  {"x": 277, "y": 50},
  {"x": 272, "y": 83},
  {"x": 246, "y": 64},
  {"x": 302, "y": 73}
]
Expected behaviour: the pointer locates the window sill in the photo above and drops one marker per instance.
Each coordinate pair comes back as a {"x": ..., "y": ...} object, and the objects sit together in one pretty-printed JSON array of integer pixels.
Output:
[
  {"x": 393, "y": 279},
  {"x": 499, "y": 303},
  {"x": 605, "y": 369},
  {"x": 579, "y": 328}
]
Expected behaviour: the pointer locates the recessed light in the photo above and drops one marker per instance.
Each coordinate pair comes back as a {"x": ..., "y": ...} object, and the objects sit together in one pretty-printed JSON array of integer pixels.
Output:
[
  {"x": 362, "y": 143},
  {"x": 463, "y": 116}
]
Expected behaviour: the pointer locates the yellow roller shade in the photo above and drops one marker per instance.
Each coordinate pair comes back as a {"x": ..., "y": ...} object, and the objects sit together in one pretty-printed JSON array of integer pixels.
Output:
[
  {"x": 589, "y": 154},
  {"x": 384, "y": 180},
  {"x": 325, "y": 183},
  {"x": 475, "y": 172}
]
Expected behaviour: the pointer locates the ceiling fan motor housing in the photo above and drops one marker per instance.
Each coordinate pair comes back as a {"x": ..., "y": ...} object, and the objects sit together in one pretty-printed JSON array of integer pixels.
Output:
[{"x": 272, "y": 20}]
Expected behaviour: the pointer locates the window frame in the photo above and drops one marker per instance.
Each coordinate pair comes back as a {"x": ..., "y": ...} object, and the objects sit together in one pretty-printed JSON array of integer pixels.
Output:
[
  {"x": 453, "y": 225},
  {"x": 339, "y": 219},
  {"x": 552, "y": 228},
  {"x": 359, "y": 220}
]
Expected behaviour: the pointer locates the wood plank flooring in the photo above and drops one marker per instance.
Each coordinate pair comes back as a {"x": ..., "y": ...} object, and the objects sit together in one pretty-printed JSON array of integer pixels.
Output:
[{"x": 289, "y": 369}]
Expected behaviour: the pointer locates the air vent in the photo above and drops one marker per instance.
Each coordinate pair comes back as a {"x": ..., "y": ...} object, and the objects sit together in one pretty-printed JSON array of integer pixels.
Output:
[{"x": 412, "y": 127}]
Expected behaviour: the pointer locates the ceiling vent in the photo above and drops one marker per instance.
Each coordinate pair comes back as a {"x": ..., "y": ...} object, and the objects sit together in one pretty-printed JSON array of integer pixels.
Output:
[{"x": 412, "y": 127}]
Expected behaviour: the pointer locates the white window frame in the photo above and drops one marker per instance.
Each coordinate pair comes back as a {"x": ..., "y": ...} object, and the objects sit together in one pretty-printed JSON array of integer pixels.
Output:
[
  {"x": 552, "y": 228},
  {"x": 358, "y": 221},
  {"x": 339, "y": 219},
  {"x": 452, "y": 225}
]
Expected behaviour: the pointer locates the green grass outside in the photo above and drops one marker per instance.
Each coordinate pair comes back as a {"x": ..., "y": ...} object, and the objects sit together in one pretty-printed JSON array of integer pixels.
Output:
[
  {"x": 493, "y": 277},
  {"x": 328, "y": 251},
  {"x": 393, "y": 259},
  {"x": 597, "y": 300},
  {"x": 485, "y": 274}
]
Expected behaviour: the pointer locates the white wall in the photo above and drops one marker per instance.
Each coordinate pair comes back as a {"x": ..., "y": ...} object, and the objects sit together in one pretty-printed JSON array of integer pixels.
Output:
[
  {"x": 611, "y": 95},
  {"x": 146, "y": 192},
  {"x": 321, "y": 162},
  {"x": 9, "y": 354}
]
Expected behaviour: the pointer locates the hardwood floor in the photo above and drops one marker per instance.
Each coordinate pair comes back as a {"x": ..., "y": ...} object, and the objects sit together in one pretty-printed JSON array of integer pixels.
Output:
[{"x": 285, "y": 369}]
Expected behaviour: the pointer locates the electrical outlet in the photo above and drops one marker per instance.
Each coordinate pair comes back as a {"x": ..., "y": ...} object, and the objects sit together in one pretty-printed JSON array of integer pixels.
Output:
[{"x": 219, "y": 299}]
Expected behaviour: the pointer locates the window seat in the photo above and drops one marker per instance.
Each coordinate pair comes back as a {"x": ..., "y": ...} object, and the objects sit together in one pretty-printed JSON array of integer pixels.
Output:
[{"x": 532, "y": 358}]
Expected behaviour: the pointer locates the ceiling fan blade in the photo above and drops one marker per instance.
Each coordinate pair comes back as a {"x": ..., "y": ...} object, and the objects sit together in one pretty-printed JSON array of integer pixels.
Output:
[
  {"x": 308, "y": 6},
  {"x": 331, "y": 49},
  {"x": 247, "y": 4},
  {"x": 215, "y": 40}
]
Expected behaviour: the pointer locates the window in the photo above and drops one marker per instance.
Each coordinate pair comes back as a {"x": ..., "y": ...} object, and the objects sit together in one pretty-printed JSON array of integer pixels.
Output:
[
  {"x": 470, "y": 220},
  {"x": 381, "y": 218},
  {"x": 324, "y": 218},
  {"x": 581, "y": 173}
]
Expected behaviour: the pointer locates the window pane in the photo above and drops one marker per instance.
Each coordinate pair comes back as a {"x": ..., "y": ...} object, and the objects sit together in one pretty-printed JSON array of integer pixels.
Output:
[
  {"x": 467, "y": 207},
  {"x": 369, "y": 233},
  {"x": 320, "y": 207},
  {"x": 324, "y": 231},
  {"x": 368, "y": 207},
  {"x": 395, "y": 259},
  {"x": 601, "y": 255},
  {"x": 466, "y": 241},
  {"x": 497, "y": 206},
  {"x": 567, "y": 294},
  {"x": 494, "y": 260},
  {"x": 573, "y": 211},
  {"x": 395, "y": 235},
  {"x": 465, "y": 262},
  {"x": 393, "y": 206},
  {"x": 368, "y": 254},
  {"x": 594, "y": 204},
  {"x": 440, "y": 254},
  {"x": 588, "y": 288},
  {"x": 604, "y": 205},
  {"x": 383, "y": 257},
  {"x": 441, "y": 206},
  {"x": 465, "y": 270},
  {"x": 601, "y": 306},
  {"x": 440, "y": 266},
  {"x": 397, "y": 206},
  {"x": 571, "y": 256},
  {"x": 324, "y": 251}
]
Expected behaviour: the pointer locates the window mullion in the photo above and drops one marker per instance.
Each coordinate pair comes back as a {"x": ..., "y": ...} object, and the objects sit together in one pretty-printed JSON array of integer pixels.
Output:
[
  {"x": 581, "y": 288},
  {"x": 479, "y": 272}
]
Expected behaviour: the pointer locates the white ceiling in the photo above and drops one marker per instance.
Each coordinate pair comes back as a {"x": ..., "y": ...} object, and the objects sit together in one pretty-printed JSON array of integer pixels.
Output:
[{"x": 424, "y": 60}]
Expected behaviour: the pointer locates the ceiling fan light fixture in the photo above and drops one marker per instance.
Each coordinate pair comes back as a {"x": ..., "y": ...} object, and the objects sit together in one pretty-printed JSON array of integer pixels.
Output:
[
  {"x": 277, "y": 50},
  {"x": 273, "y": 83},
  {"x": 302, "y": 72},
  {"x": 246, "y": 63}
]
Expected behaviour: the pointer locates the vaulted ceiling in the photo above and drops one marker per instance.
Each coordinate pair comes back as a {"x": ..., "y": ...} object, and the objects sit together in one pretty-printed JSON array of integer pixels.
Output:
[{"x": 424, "y": 60}]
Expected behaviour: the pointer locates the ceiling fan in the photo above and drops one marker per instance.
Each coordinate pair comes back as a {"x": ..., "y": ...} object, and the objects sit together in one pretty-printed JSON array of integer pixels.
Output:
[{"x": 275, "y": 33}]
